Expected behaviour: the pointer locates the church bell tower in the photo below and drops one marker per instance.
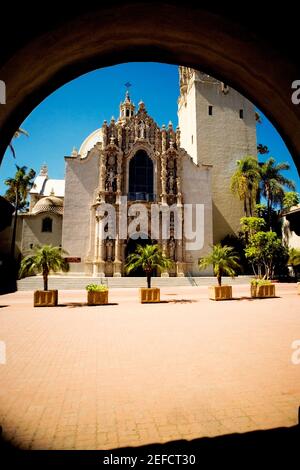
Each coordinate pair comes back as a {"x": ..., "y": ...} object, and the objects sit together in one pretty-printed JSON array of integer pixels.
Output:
[{"x": 218, "y": 127}]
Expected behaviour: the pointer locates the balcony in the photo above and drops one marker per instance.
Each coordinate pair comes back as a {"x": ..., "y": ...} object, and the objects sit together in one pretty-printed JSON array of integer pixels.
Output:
[{"x": 141, "y": 196}]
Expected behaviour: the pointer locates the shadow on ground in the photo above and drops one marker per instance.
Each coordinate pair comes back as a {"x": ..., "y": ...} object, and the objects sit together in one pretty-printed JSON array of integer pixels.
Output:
[
  {"x": 247, "y": 450},
  {"x": 84, "y": 304}
]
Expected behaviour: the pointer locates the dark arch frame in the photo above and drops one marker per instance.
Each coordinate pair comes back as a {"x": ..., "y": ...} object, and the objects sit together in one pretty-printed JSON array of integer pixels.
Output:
[
  {"x": 232, "y": 46},
  {"x": 141, "y": 177}
]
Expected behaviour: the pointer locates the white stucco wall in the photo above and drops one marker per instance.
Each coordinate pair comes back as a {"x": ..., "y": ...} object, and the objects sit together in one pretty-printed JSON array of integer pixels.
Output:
[
  {"x": 81, "y": 178},
  {"x": 221, "y": 139},
  {"x": 196, "y": 185}
]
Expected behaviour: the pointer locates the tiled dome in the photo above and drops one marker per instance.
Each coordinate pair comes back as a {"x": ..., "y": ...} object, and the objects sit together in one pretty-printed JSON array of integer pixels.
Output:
[{"x": 49, "y": 204}]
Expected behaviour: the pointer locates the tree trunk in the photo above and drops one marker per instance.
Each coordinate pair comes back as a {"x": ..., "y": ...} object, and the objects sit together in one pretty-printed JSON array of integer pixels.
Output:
[
  {"x": 14, "y": 233},
  {"x": 148, "y": 280},
  {"x": 219, "y": 278},
  {"x": 45, "y": 278},
  {"x": 245, "y": 207},
  {"x": 13, "y": 238}
]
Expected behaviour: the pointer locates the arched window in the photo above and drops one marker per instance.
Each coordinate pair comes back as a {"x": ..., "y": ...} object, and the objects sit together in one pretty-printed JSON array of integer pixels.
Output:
[
  {"x": 47, "y": 224},
  {"x": 141, "y": 177}
]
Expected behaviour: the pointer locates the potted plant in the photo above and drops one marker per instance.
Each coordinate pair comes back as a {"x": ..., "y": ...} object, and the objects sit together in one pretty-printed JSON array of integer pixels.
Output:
[
  {"x": 44, "y": 259},
  {"x": 97, "y": 294},
  {"x": 149, "y": 258},
  {"x": 262, "y": 288},
  {"x": 225, "y": 262}
]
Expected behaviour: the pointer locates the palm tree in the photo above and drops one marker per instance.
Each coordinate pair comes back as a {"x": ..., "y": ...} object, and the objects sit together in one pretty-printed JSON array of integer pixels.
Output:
[
  {"x": 45, "y": 258},
  {"x": 245, "y": 182},
  {"x": 273, "y": 184},
  {"x": 224, "y": 261},
  {"x": 149, "y": 258},
  {"x": 17, "y": 193},
  {"x": 17, "y": 134}
]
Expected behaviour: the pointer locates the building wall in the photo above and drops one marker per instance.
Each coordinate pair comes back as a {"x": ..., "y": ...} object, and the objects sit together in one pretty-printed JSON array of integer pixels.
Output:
[
  {"x": 81, "y": 181},
  {"x": 291, "y": 230},
  {"x": 221, "y": 139},
  {"x": 196, "y": 185},
  {"x": 32, "y": 231}
]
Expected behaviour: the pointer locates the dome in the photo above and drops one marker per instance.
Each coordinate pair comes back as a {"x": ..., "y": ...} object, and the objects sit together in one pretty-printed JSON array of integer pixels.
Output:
[
  {"x": 49, "y": 204},
  {"x": 90, "y": 141}
]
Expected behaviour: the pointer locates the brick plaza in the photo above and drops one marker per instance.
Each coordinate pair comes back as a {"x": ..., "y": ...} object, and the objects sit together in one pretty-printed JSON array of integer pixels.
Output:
[{"x": 127, "y": 374}]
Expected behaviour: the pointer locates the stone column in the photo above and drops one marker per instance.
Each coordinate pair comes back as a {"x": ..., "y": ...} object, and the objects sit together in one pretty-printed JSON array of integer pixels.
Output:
[
  {"x": 117, "y": 261},
  {"x": 96, "y": 248},
  {"x": 163, "y": 179},
  {"x": 179, "y": 256},
  {"x": 164, "y": 273},
  {"x": 180, "y": 252},
  {"x": 119, "y": 178},
  {"x": 101, "y": 251},
  {"x": 101, "y": 197}
]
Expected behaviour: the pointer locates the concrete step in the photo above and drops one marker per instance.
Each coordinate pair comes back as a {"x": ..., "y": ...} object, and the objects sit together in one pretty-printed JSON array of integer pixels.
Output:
[{"x": 77, "y": 283}]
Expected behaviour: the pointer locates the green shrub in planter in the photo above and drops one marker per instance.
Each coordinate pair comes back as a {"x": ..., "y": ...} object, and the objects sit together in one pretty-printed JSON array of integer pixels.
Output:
[
  {"x": 97, "y": 294},
  {"x": 262, "y": 288}
]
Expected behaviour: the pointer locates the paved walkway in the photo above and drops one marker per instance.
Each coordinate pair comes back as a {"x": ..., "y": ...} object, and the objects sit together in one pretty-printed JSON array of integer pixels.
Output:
[{"x": 79, "y": 377}]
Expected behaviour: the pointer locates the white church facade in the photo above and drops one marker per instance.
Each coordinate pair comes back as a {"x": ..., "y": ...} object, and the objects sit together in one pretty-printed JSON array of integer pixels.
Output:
[{"x": 132, "y": 161}]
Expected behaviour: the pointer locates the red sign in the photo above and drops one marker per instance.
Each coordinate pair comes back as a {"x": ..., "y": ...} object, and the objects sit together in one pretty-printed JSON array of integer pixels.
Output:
[{"x": 73, "y": 260}]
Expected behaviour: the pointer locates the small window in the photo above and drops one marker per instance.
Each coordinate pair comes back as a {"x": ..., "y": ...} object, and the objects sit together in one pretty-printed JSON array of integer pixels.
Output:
[
  {"x": 210, "y": 110},
  {"x": 47, "y": 225},
  {"x": 127, "y": 113},
  {"x": 192, "y": 139},
  {"x": 241, "y": 114}
]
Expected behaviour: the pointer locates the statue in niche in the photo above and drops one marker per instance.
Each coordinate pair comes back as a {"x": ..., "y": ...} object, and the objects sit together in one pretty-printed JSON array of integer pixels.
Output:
[
  {"x": 110, "y": 180},
  {"x": 171, "y": 164},
  {"x": 109, "y": 249},
  {"x": 142, "y": 130},
  {"x": 172, "y": 246},
  {"x": 111, "y": 160},
  {"x": 171, "y": 182}
]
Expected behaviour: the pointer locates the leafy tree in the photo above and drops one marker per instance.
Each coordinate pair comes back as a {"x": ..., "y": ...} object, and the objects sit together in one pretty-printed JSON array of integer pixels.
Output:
[
  {"x": 17, "y": 192},
  {"x": 45, "y": 258},
  {"x": 224, "y": 260},
  {"x": 264, "y": 250},
  {"x": 16, "y": 135},
  {"x": 294, "y": 259},
  {"x": 252, "y": 225},
  {"x": 290, "y": 199},
  {"x": 273, "y": 185},
  {"x": 239, "y": 244},
  {"x": 149, "y": 258},
  {"x": 245, "y": 182}
]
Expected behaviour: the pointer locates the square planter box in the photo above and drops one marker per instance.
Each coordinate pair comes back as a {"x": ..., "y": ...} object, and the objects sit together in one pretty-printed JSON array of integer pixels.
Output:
[
  {"x": 45, "y": 298},
  {"x": 97, "y": 298},
  {"x": 298, "y": 288},
  {"x": 149, "y": 295},
  {"x": 220, "y": 292},
  {"x": 261, "y": 292}
]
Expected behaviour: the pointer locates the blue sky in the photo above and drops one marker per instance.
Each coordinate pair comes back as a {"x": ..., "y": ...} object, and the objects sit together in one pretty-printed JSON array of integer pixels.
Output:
[{"x": 64, "y": 119}]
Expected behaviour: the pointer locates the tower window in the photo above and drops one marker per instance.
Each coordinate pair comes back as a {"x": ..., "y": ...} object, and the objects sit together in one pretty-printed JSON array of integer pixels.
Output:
[
  {"x": 210, "y": 110},
  {"x": 127, "y": 112},
  {"x": 47, "y": 225},
  {"x": 192, "y": 139},
  {"x": 241, "y": 114}
]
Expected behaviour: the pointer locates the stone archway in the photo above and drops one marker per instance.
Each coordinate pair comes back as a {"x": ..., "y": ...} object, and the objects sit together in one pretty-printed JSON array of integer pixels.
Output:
[
  {"x": 223, "y": 41},
  {"x": 131, "y": 245}
]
